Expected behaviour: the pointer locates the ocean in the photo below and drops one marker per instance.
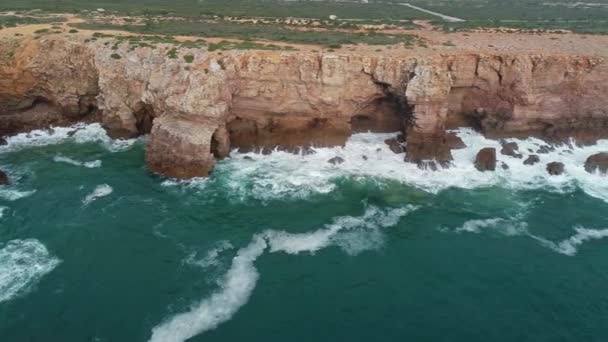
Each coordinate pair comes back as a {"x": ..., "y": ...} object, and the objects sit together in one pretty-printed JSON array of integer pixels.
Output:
[{"x": 285, "y": 247}]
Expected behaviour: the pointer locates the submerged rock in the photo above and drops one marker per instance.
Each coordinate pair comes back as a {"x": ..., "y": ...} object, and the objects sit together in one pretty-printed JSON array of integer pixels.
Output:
[
  {"x": 3, "y": 178},
  {"x": 364, "y": 157},
  {"x": 395, "y": 145},
  {"x": 504, "y": 166},
  {"x": 510, "y": 149},
  {"x": 336, "y": 161},
  {"x": 248, "y": 158},
  {"x": 597, "y": 162},
  {"x": 545, "y": 149},
  {"x": 532, "y": 159},
  {"x": 486, "y": 159},
  {"x": 555, "y": 168},
  {"x": 3, "y": 141}
]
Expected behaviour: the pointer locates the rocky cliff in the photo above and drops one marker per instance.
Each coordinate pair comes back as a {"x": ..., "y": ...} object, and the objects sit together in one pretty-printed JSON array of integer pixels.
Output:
[{"x": 197, "y": 111}]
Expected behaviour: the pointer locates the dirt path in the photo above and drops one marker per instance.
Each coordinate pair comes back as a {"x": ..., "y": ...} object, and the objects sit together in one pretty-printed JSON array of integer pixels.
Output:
[{"x": 442, "y": 16}]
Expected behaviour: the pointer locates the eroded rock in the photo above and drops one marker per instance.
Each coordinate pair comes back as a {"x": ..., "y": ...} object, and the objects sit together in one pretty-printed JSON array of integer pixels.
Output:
[
  {"x": 532, "y": 159},
  {"x": 336, "y": 161},
  {"x": 597, "y": 162},
  {"x": 510, "y": 149},
  {"x": 394, "y": 145},
  {"x": 555, "y": 168},
  {"x": 486, "y": 159},
  {"x": 3, "y": 178}
]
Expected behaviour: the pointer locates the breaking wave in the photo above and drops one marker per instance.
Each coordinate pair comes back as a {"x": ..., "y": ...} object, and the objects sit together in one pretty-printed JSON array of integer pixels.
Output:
[
  {"x": 282, "y": 175},
  {"x": 239, "y": 282},
  {"x": 100, "y": 191},
  {"x": 212, "y": 256},
  {"x": 22, "y": 264},
  {"x": 13, "y": 194},
  {"x": 78, "y": 133},
  {"x": 507, "y": 227},
  {"x": 67, "y": 160}
]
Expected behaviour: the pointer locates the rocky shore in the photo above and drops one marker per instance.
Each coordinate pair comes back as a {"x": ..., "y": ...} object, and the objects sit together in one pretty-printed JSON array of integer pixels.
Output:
[{"x": 198, "y": 108}]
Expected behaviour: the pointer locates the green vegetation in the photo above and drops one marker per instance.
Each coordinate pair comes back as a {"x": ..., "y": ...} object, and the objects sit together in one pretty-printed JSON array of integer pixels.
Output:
[
  {"x": 73, "y": 31},
  {"x": 243, "y": 8},
  {"x": 226, "y": 45},
  {"x": 115, "y": 56},
  {"x": 584, "y": 26},
  {"x": 172, "y": 53},
  {"x": 248, "y": 31},
  {"x": 41, "y": 31},
  {"x": 188, "y": 58},
  {"x": 12, "y": 21}
]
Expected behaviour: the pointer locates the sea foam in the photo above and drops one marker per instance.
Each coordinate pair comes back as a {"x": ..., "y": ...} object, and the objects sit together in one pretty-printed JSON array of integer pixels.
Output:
[
  {"x": 22, "y": 264},
  {"x": 239, "y": 282},
  {"x": 282, "y": 175},
  {"x": 78, "y": 133},
  {"x": 89, "y": 164},
  {"x": 100, "y": 191},
  {"x": 513, "y": 227}
]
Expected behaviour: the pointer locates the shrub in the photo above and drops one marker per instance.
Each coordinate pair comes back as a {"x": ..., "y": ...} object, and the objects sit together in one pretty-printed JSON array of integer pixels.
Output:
[
  {"x": 115, "y": 56},
  {"x": 189, "y": 58}
]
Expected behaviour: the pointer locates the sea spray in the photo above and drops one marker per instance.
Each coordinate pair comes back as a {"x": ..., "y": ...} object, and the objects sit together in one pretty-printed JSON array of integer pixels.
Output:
[
  {"x": 22, "y": 264},
  {"x": 239, "y": 282},
  {"x": 285, "y": 176}
]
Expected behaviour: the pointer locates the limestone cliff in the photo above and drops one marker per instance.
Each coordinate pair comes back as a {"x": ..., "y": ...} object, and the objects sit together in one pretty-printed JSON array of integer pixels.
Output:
[{"x": 197, "y": 111}]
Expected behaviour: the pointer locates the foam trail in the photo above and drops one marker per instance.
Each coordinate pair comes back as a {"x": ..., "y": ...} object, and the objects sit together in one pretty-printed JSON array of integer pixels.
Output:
[
  {"x": 100, "y": 191},
  {"x": 570, "y": 246},
  {"x": 283, "y": 175},
  {"x": 239, "y": 282},
  {"x": 211, "y": 259},
  {"x": 22, "y": 264},
  {"x": 2, "y": 211},
  {"x": 13, "y": 194},
  {"x": 567, "y": 246},
  {"x": 78, "y": 133},
  {"x": 67, "y": 160}
]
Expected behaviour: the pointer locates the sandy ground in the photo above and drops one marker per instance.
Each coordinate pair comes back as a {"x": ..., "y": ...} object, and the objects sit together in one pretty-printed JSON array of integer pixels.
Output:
[{"x": 436, "y": 41}]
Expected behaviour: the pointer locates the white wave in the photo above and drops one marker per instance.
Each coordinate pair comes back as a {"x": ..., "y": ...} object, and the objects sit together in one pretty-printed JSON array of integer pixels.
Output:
[
  {"x": 567, "y": 246},
  {"x": 13, "y": 194},
  {"x": 67, "y": 160},
  {"x": 283, "y": 175},
  {"x": 212, "y": 256},
  {"x": 22, "y": 264},
  {"x": 100, "y": 191},
  {"x": 2, "y": 211},
  {"x": 239, "y": 282},
  {"x": 506, "y": 227},
  {"x": 570, "y": 245},
  {"x": 78, "y": 133}
]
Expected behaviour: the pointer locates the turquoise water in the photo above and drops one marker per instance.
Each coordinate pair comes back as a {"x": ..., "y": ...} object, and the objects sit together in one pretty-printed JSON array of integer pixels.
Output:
[{"x": 291, "y": 248}]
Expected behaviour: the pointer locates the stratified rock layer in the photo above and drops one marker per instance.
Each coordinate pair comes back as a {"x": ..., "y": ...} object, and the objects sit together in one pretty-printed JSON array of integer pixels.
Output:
[{"x": 195, "y": 112}]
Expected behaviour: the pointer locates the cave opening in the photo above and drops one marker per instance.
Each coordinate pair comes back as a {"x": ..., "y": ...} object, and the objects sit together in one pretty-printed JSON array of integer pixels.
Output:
[
  {"x": 387, "y": 114},
  {"x": 144, "y": 116}
]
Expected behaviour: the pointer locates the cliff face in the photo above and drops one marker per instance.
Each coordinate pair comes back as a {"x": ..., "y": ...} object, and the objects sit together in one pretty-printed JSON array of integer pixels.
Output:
[{"x": 197, "y": 111}]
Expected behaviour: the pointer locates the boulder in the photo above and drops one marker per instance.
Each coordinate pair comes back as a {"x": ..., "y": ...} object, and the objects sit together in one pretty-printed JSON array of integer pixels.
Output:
[
  {"x": 3, "y": 178},
  {"x": 3, "y": 141},
  {"x": 510, "y": 149},
  {"x": 545, "y": 149},
  {"x": 555, "y": 168},
  {"x": 504, "y": 166},
  {"x": 364, "y": 157},
  {"x": 532, "y": 159},
  {"x": 336, "y": 161},
  {"x": 486, "y": 159},
  {"x": 454, "y": 142},
  {"x": 394, "y": 145},
  {"x": 597, "y": 162}
]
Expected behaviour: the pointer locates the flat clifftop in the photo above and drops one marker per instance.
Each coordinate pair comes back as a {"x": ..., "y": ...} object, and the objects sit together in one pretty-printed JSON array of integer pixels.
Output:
[{"x": 198, "y": 102}]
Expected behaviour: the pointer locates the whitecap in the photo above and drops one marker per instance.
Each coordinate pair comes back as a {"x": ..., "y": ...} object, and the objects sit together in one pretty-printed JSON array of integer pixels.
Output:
[
  {"x": 512, "y": 227},
  {"x": 570, "y": 245},
  {"x": 78, "y": 133},
  {"x": 22, "y": 264},
  {"x": 282, "y": 175},
  {"x": 14, "y": 194},
  {"x": 2, "y": 211},
  {"x": 89, "y": 164},
  {"x": 239, "y": 282},
  {"x": 100, "y": 191}
]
